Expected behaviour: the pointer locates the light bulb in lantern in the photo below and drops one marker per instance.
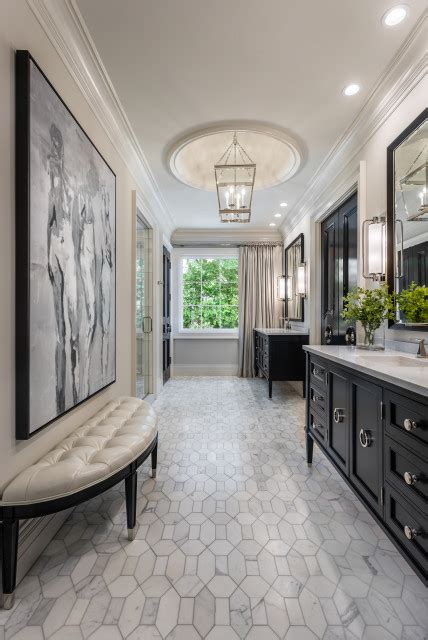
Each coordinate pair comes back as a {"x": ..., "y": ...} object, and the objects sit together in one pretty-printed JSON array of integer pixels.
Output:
[
  {"x": 227, "y": 199},
  {"x": 243, "y": 197}
]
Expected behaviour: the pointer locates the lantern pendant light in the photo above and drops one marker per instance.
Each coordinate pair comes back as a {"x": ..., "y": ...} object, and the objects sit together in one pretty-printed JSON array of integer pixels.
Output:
[{"x": 234, "y": 175}]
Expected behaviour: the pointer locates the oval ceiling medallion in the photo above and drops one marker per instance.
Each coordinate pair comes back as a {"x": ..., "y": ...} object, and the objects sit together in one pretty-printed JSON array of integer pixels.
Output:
[{"x": 275, "y": 154}]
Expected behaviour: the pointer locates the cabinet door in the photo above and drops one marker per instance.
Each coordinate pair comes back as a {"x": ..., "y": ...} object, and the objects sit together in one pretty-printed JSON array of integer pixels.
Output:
[
  {"x": 366, "y": 440},
  {"x": 338, "y": 418}
]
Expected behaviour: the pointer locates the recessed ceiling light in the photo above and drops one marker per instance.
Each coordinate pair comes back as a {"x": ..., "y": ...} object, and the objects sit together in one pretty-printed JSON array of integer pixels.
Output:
[
  {"x": 351, "y": 89},
  {"x": 277, "y": 215},
  {"x": 283, "y": 204},
  {"x": 395, "y": 15},
  {"x": 272, "y": 224}
]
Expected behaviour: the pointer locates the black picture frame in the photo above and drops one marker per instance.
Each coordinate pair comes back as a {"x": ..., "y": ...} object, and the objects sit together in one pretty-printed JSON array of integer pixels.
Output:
[
  {"x": 23, "y": 226},
  {"x": 299, "y": 240},
  {"x": 390, "y": 213}
]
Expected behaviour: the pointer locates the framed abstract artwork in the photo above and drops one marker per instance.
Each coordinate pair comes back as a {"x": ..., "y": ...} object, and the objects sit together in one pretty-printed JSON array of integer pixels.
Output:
[{"x": 65, "y": 257}]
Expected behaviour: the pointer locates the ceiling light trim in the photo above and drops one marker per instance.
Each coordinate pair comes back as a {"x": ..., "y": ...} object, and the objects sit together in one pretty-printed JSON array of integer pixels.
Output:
[
  {"x": 231, "y": 127},
  {"x": 64, "y": 25}
]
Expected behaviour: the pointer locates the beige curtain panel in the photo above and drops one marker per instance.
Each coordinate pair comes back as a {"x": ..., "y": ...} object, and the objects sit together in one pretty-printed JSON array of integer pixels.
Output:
[{"x": 259, "y": 267}]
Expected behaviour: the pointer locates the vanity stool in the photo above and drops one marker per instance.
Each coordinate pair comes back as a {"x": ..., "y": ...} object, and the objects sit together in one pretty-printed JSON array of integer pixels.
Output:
[{"x": 108, "y": 448}]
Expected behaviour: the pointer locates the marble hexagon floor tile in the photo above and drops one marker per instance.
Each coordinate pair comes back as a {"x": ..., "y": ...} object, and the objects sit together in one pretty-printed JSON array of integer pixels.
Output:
[{"x": 237, "y": 539}]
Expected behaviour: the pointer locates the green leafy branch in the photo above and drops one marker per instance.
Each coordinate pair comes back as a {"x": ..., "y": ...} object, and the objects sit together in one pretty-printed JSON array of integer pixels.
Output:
[{"x": 413, "y": 302}]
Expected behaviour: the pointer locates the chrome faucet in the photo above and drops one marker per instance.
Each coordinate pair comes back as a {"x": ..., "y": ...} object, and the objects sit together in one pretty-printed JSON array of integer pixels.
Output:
[
  {"x": 421, "y": 349},
  {"x": 287, "y": 324}
]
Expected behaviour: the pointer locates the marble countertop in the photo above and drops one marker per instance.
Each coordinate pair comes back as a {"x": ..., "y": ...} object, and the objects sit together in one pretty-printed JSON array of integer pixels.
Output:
[
  {"x": 285, "y": 332},
  {"x": 399, "y": 368}
]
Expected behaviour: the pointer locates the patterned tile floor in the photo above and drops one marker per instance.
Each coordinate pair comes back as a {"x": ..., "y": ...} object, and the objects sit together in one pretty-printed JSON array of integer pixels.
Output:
[{"x": 237, "y": 539}]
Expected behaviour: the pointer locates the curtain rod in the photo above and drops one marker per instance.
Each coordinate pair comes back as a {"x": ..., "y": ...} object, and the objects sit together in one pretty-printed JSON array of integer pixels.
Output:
[{"x": 266, "y": 243}]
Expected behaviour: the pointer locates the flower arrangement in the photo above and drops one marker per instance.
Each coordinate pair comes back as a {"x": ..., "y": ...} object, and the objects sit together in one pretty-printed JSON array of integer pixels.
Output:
[{"x": 370, "y": 307}]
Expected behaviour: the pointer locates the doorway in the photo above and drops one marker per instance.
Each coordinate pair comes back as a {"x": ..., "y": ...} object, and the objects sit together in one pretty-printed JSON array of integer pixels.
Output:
[
  {"x": 166, "y": 319},
  {"x": 339, "y": 237},
  {"x": 144, "y": 307}
]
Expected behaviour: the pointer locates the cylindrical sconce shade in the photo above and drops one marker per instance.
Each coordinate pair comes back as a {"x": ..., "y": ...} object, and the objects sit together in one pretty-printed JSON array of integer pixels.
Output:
[
  {"x": 281, "y": 288},
  {"x": 374, "y": 248},
  {"x": 301, "y": 279}
]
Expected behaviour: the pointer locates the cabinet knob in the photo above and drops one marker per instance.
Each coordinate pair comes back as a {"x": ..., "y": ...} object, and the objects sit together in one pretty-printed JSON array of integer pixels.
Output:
[
  {"x": 410, "y": 478},
  {"x": 365, "y": 438},
  {"x": 410, "y": 425},
  {"x": 411, "y": 532},
  {"x": 338, "y": 415}
]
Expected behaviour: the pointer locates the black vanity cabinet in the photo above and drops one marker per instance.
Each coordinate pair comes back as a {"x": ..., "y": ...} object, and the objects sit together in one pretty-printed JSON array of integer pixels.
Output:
[
  {"x": 376, "y": 435},
  {"x": 279, "y": 356}
]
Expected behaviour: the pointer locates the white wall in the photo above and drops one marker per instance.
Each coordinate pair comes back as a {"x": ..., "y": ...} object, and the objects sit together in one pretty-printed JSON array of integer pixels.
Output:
[
  {"x": 367, "y": 168},
  {"x": 304, "y": 226},
  {"x": 19, "y": 29}
]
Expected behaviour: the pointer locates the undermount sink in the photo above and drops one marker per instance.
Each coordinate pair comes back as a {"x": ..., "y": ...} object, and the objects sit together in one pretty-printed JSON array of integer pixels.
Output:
[{"x": 393, "y": 360}]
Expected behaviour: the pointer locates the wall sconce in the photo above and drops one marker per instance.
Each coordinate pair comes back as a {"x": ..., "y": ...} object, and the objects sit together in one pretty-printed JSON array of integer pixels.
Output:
[
  {"x": 281, "y": 288},
  {"x": 289, "y": 287},
  {"x": 301, "y": 280},
  {"x": 374, "y": 248}
]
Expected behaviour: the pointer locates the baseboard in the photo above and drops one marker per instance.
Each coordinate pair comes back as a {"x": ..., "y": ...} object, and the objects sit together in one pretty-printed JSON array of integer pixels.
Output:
[
  {"x": 34, "y": 536},
  {"x": 205, "y": 370}
]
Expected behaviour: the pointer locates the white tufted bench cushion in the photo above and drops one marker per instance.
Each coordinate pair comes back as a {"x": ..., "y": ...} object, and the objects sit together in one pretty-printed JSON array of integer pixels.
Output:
[{"x": 110, "y": 440}]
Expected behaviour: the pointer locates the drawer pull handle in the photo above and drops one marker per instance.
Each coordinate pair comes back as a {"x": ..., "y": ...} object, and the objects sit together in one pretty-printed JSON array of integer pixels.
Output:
[
  {"x": 338, "y": 415},
  {"x": 317, "y": 398},
  {"x": 410, "y": 425},
  {"x": 410, "y": 478},
  {"x": 411, "y": 532},
  {"x": 365, "y": 438},
  {"x": 319, "y": 373}
]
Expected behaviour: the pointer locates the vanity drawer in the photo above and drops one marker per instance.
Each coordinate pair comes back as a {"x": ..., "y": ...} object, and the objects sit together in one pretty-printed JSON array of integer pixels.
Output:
[
  {"x": 407, "y": 473},
  {"x": 318, "y": 374},
  {"x": 265, "y": 343},
  {"x": 407, "y": 422},
  {"x": 318, "y": 427},
  {"x": 318, "y": 400},
  {"x": 409, "y": 526}
]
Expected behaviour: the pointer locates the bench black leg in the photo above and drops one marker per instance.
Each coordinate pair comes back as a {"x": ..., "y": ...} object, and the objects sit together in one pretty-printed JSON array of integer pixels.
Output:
[
  {"x": 9, "y": 551},
  {"x": 309, "y": 447},
  {"x": 270, "y": 388},
  {"x": 131, "y": 503},
  {"x": 154, "y": 460}
]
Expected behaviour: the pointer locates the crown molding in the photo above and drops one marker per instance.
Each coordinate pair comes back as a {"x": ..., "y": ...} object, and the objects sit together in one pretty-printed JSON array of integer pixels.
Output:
[
  {"x": 406, "y": 69},
  {"x": 64, "y": 25},
  {"x": 219, "y": 237}
]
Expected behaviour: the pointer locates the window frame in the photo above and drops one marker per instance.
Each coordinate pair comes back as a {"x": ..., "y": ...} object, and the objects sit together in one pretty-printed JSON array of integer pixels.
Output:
[{"x": 197, "y": 253}]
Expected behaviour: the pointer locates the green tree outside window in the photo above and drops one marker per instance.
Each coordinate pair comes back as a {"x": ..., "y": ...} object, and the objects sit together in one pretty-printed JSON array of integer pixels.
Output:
[{"x": 210, "y": 293}]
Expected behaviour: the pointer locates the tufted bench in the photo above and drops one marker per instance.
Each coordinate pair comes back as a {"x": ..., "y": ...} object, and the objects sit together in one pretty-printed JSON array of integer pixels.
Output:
[{"x": 108, "y": 448}]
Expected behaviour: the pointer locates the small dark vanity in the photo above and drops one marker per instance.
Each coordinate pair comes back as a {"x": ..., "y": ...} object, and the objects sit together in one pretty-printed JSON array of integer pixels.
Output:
[{"x": 278, "y": 354}]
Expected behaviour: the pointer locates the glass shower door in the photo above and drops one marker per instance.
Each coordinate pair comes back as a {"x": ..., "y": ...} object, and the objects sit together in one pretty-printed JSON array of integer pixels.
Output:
[{"x": 143, "y": 315}]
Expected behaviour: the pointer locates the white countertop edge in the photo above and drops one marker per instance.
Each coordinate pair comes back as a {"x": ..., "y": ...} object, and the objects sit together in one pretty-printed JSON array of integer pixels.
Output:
[
  {"x": 395, "y": 379},
  {"x": 277, "y": 331}
]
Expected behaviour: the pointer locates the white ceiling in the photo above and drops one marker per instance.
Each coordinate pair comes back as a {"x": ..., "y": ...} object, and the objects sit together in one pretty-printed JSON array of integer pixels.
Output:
[{"x": 181, "y": 65}]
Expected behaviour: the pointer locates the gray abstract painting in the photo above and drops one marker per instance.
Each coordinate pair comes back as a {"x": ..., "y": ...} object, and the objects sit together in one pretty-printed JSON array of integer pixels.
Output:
[{"x": 72, "y": 260}]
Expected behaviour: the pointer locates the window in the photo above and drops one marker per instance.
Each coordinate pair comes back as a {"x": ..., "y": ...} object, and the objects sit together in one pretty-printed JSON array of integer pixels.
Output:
[{"x": 209, "y": 293}]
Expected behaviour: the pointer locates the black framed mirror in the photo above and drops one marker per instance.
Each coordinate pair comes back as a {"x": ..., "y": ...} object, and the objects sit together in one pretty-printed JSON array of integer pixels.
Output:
[
  {"x": 407, "y": 223},
  {"x": 294, "y": 264}
]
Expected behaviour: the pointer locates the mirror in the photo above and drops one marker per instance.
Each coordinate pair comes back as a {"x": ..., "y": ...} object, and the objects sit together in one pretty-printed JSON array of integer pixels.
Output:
[
  {"x": 294, "y": 259},
  {"x": 407, "y": 216}
]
